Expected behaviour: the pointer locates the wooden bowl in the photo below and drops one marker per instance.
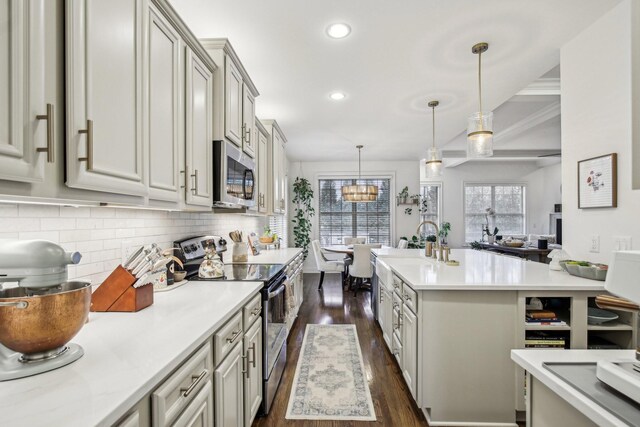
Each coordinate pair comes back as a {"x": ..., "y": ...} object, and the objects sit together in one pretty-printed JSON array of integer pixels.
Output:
[
  {"x": 514, "y": 244},
  {"x": 178, "y": 276},
  {"x": 266, "y": 239}
]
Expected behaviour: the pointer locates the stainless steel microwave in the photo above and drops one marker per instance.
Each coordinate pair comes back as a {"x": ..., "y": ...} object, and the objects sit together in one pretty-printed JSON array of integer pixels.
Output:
[{"x": 234, "y": 176}]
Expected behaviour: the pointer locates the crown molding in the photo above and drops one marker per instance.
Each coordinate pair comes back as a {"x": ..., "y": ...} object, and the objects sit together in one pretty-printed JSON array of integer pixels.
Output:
[
  {"x": 541, "y": 87},
  {"x": 225, "y": 45}
]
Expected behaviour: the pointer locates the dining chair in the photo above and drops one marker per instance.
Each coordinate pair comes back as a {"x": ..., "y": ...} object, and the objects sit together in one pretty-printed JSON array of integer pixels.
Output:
[
  {"x": 354, "y": 240},
  {"x": 361, "y": 269},
  {"x": 325, "y": 265},
  {"x": 403, "y": 244}
]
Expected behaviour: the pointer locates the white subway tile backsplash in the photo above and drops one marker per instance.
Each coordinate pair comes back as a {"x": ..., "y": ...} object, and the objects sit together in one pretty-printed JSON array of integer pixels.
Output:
[
  {"x": 58, "y": 223},
  {"x": 98, "y": 233}
]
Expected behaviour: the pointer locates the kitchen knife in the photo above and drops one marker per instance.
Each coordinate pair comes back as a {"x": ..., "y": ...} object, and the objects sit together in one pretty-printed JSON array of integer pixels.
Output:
[
  {"x": 140, "y": 258},
  {"x": 150, "y": 277},
  {"x": 132, "y": 257},
  {"x": 143, "y": 267}
]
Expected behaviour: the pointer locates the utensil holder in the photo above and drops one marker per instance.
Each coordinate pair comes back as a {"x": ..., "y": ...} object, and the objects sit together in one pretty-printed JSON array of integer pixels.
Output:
[
  {"x": 117, "y": 294},
  {"x": 240, "y": 252}
]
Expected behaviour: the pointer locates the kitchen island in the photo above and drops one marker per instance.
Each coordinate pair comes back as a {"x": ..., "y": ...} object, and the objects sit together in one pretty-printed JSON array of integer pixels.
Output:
[
  {"x": 452, "y": 328},
  {"x": 127, "y": 355}
]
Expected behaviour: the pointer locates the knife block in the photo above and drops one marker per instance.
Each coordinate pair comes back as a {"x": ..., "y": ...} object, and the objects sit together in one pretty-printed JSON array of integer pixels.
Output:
[{"x": 117, "y": 294}]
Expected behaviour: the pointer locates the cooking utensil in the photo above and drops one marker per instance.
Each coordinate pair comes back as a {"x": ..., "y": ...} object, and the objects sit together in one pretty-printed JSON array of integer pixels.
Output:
[
  {"x": 37, "y": 324},
  {"x": 140, "y": 258},
  {"x": 236, "y": 236},
  {"x": 132, "y": 257},
  {"x": 143, "y": 266},
  {"x": 149, "y": 277}
]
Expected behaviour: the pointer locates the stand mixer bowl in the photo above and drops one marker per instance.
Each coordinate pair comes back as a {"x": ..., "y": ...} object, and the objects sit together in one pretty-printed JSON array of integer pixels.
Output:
[{"x": 39, "y": 323}]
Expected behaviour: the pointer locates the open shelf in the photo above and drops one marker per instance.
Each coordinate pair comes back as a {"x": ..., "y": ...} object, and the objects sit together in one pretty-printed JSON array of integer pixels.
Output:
[{"x": 611, "y": 326}]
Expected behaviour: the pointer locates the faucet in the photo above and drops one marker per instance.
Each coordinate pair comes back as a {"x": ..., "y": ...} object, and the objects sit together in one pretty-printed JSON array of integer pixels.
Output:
[{"x": 437, "y": 232}]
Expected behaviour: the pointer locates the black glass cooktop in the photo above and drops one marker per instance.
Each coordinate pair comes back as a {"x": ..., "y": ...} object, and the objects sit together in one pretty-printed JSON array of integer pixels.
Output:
[{"x": 247, "y": 272}]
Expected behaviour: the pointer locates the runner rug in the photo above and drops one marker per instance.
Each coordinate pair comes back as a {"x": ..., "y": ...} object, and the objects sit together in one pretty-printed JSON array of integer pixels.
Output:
[{"x": 330, "y": 382}]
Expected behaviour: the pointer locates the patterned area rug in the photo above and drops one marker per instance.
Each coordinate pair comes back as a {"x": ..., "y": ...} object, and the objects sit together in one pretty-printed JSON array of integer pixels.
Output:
[{"x": 330, "y": 382}]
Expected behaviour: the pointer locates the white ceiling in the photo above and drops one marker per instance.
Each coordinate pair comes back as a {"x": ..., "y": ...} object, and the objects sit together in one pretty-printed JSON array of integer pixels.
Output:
[{"x": 399, "y": 55}]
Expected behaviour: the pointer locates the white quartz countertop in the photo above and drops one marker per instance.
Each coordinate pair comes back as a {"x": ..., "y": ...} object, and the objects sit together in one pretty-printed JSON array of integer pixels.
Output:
[
  {"x": 126, "y": 356},
  {"x": 482, "y": 270},
  {"x": 274, "y": 256},
  {"x": 532, "y": 360}
]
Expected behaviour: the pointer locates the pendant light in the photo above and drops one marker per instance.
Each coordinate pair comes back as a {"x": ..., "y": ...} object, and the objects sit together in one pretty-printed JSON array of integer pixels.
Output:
[
  {"x": 480, "y": 127},
  {"x": 359, "y": 193},
  {"x": 434, "y": 157}
]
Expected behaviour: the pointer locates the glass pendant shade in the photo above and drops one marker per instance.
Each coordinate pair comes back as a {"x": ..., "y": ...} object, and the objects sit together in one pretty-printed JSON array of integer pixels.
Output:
[
  {"x": 434, "y": 163},
  {"x": 480, "y": 135},
  {"x": 359, "y": 193}
]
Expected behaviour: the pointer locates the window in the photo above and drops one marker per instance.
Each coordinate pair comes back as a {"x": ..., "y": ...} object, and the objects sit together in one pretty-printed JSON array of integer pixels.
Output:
[
  {"x": 431, "y": 193},
  {"x": 339, "y": 219},
  {"x": 508, "y": 202}
]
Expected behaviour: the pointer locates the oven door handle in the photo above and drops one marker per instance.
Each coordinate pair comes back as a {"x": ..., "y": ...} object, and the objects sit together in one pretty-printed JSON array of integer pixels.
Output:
[{"x": 277, "y": 292}]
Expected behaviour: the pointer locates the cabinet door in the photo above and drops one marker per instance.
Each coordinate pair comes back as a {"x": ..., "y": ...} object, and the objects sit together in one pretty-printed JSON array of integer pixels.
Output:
[
  {"x": 199, "y": 143},
  {"x": 104, "y": 95},
  {"x": 163, "y": 138},
  {"x": 409, "y": 349},
  {"x": 263, "y": 172},
  {"x": 387, "y": 308},
  {"x": 229, "y": 382},
  {"x": 276, "y": 146},
  {"x": 23, "y": 137},
  {"x": 232, "y": 103},
  {"x": 248, "y": 126},
  {"x": 199, "y": 413},
  {"x": 253, "y": 375}
]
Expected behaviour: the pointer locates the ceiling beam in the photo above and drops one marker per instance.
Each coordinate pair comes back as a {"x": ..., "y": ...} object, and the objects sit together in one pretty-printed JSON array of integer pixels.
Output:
[
  {"x": 457, "y": 157},
  {"x": 541, "y": 87},
  {"x": 547, "y": 113}
]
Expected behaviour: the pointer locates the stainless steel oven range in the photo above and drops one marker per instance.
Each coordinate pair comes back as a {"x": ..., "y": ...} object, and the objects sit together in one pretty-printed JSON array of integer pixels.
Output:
[{"x": 274, "y": 329}]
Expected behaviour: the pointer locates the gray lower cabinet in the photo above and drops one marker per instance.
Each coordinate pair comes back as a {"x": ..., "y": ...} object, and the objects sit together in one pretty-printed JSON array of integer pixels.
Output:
[
  {"x": 253, "y": 373},
  {"x": 229, "y": 389},
  {"x": 410, "y": 349},
  {"x": 199, "y": 413}
]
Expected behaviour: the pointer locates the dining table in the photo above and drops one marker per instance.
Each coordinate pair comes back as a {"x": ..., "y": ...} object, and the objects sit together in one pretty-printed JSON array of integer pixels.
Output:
[{"x": 340, "y": 249}]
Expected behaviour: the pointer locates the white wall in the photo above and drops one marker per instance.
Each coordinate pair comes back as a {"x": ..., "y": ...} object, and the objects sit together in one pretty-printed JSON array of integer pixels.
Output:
[
  {"x": 597, "y": 120},
  {"x": 543, "y": 192},
  {"x": 522, "y": 172},
  {"x": 403, "y": 173},
  {"x": 99, "y": 233}
]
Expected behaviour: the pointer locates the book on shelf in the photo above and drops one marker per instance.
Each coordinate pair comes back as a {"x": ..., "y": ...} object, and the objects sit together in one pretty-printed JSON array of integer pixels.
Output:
[
  {"x": 547, "y": 346},
  {"x": 544, "y": 342},
  {"x": 546, "y": 322},
  {"x": 540, "y": 314}
]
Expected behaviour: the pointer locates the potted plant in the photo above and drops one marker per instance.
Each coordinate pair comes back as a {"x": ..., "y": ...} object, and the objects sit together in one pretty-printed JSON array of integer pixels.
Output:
[
  {"x": 267, "y": 236},
  {"x": 403, "y": 196},
  {"x": 445, "y": 228},
  {"x": 491, "y": 237},
  {"x": 303, "y": 197}
]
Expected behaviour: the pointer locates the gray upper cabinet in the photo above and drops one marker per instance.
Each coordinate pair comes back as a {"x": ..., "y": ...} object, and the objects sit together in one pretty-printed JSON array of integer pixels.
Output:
[
  {"x": 234, "y": 98},
  {"x": 164, "y": 138},
  {"x": 104, "y": 78},
  {"x": 26, "y": 121}
]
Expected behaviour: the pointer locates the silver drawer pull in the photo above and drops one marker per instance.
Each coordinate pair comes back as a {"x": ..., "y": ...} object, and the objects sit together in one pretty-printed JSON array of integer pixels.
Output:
[
  {"x": 396, "y": 353},
  {"x": 234, "y": 336},
  {"x": 196, "y": 380},
  {"x": 407, "y": 297},
  {"x": 245, "y": 370},
  {"x": 256, "y": 311},
  {"x": 49, "y": 149},
  {"x": 253, "y": 353},
  {"x": 395, "y": 305}
]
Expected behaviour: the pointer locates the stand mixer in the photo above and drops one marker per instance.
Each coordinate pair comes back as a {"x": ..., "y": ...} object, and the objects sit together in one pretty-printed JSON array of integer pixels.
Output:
[
  {"x": 622, "y": 280},
  {"x": 41, "y": 314}
]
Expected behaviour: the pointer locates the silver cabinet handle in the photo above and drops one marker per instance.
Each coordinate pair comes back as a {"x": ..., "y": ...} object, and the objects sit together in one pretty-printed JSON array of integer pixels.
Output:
[
  {"x": 245, "y": 370},
  {"x": 407, "y": 297},
  {"x": 256, "y": 311},
  {"x": 50, "y": 148},
  {"x": 396, "y": 352},
  {"x": 196, "y": 380},
  {"x": 253, "y": 354},
  {"x": 396, "y": 305},
  {"x": 16, "y": 304},
  {"x": 194, "y": 188},
  {"x": 247, "y": 132},
  {"x": 184, "y": 172},
  {"x": 234, "y": 336},
  {"x": 89, "y": 157}
]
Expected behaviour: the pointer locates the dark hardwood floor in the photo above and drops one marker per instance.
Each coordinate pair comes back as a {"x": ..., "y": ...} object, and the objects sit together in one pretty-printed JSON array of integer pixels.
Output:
[{"x": 392, "y": 401}]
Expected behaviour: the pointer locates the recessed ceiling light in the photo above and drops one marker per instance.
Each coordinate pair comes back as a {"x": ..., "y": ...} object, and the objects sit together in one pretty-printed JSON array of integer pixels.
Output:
[
  {"x": 338, "y": 31},
  {"x": 337, "y": 96}
]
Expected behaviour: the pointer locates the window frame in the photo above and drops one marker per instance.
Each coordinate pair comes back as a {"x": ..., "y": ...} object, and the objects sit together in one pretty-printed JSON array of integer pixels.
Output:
[
  {"x": 440, "y": 199},
  {"x": 493, "y": 184},
  {"x": 391, "y": 176}
]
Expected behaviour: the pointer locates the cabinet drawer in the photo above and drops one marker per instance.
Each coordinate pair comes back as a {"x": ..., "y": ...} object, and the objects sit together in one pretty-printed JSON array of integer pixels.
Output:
[
  {"x": 397, "y": 284},
  {"x": 410, "y": 297},
  {"x": 252, "y": 311},
  {"x": 178, "y": 390},
  {"x": 397, "y": 301},
  {"x": 227, "y": 337}
]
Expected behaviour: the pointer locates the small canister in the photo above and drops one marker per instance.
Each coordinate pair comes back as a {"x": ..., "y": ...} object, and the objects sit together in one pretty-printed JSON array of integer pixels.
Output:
[
  {"x": 429, "y": 249},
  {"x": 543, "y": 244}
]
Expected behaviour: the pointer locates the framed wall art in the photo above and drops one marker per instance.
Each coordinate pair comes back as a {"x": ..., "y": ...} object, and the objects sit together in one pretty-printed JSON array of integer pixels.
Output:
[{"x": 598, "y": 182}]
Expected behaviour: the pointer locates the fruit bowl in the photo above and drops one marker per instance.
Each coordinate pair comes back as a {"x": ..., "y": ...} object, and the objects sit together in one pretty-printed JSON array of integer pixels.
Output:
[
  {"x": 585, "y": 269},
  {"x": 266, "y": 240},
  {"x": 514, "y": 243}
]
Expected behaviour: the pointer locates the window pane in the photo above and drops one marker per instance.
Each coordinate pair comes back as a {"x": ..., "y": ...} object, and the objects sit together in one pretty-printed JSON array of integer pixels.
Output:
[
  {"x": 508, "y": 202},
  {"x": 339, "y": 219}
]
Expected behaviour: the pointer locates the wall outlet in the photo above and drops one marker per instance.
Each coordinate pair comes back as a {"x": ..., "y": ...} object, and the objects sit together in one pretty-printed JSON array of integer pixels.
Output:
[
  {"x": 595, "y": 244},
  {"x": 622, "y": 243}
]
